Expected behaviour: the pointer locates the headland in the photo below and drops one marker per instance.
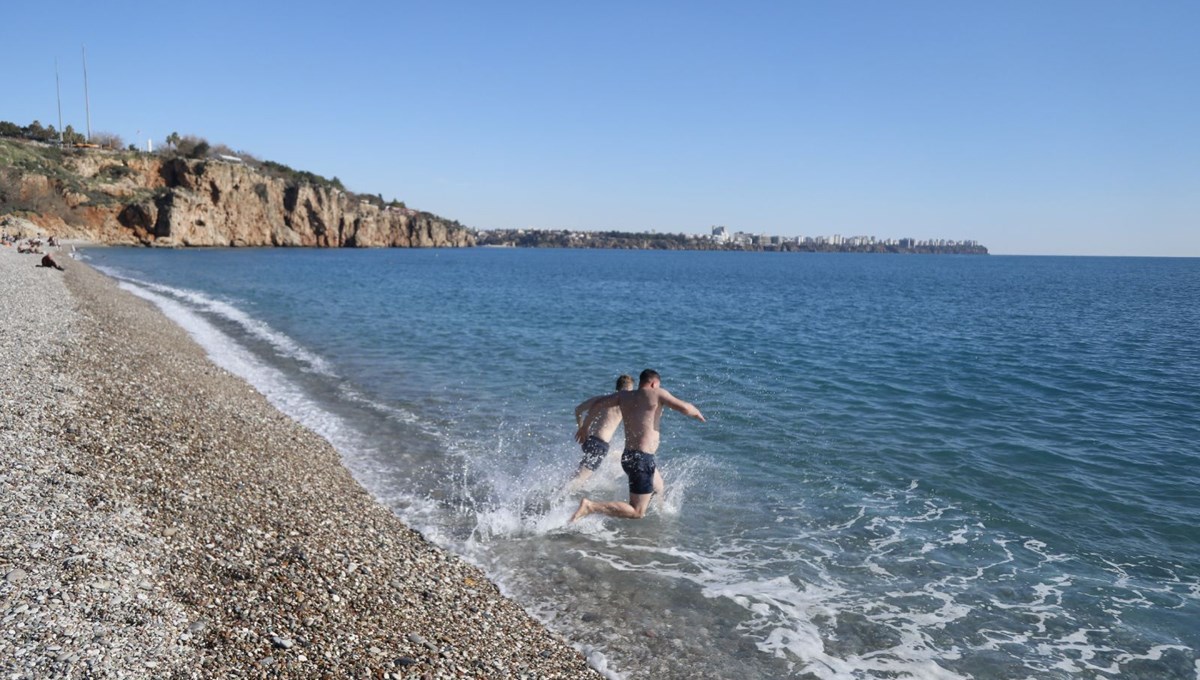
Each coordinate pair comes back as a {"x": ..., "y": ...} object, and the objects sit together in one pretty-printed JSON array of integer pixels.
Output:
[{"x": 127, "y": 197}]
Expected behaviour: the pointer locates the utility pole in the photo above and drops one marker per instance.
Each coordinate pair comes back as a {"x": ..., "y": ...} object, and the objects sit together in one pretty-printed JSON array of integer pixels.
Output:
[
  {"x": 58, "y": 94},
  {"x": 87, "y": 107}
]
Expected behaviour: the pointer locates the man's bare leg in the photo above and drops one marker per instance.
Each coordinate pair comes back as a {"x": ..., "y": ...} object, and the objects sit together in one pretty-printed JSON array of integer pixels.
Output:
[
  {"x": 581, "y": 476},
  {"x": 584, "y": 473},
  {"x": 659, "y": 485},
  {"x": 634, "y": 509}
]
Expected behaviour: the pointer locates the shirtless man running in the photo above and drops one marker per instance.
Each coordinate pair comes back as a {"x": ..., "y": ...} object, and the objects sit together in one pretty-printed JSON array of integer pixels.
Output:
[
  {"x": 596, "y": 428},
  {"x": 642, "y": 410}
]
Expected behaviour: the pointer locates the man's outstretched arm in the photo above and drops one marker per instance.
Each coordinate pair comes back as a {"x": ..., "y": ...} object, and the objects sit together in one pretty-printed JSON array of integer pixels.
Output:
[
  {"x": 584, "y": 407},
  {"x": 686, "y": 408}
]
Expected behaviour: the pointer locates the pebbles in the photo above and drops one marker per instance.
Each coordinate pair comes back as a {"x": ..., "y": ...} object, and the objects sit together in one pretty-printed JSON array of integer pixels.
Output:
[
  {"x": 56, "y": 542},
  {"x": 166, "y": 521}
]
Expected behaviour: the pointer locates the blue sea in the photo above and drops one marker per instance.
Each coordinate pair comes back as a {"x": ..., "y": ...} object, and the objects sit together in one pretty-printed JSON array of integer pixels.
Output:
[{"x": 913, "y": 466}]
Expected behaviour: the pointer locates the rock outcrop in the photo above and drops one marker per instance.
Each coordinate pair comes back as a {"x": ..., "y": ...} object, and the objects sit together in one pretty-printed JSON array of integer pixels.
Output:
[{"x": 130, "y": 198}]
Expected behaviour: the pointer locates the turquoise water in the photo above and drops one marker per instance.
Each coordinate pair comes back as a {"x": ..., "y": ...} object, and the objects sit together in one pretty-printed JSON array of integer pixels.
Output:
[{"x": 913, "y": 467}]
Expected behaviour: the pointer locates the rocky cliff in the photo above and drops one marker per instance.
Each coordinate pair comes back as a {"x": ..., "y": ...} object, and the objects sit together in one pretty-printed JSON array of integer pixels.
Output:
[{"x": 133, "y": 198}]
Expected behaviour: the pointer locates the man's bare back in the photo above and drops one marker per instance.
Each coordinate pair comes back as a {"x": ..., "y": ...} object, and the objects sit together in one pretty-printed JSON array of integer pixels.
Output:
[
  {"x": 602, "y": 423},
  {"x": 596, "y": 427},
  {"x": 641, "y": 411}
]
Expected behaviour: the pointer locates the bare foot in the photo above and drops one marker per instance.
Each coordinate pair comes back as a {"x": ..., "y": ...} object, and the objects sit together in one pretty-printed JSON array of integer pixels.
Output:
[{"x": 585, "y": 509}]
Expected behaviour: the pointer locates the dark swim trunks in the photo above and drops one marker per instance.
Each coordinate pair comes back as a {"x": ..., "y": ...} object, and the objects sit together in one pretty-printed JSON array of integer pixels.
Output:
[
  {"x": 640, "y": 467},
  {"x": 594, "y": 451}
]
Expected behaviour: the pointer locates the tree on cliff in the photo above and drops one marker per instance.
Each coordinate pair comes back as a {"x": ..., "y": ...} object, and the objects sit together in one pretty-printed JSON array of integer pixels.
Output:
[
  {"x": 108, "y": 140},
  {"x": 191, "y": 146},
  {"x": 35, "y": 130},
  {"x": 70, "y": 136}
]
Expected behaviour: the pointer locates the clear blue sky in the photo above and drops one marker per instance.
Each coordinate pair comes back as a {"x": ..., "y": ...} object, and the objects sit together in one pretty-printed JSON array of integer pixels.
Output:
[{"x": 1040, "y": 127}]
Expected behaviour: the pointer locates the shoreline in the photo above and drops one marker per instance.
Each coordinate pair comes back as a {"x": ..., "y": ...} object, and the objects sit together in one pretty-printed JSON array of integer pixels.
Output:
[{"x": 164, "y": 520}]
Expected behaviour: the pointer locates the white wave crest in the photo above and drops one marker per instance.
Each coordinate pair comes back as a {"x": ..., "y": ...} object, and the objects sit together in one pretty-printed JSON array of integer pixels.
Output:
[{"x": 199, "y": 302}]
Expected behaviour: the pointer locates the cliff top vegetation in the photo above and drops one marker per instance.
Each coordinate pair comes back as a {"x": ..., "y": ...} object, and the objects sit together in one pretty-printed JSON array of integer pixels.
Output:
[{"x": 47, "y": 156}]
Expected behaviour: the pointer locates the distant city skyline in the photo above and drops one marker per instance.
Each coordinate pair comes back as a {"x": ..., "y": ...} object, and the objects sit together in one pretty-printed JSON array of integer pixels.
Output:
[
  {"x": 722, "y": 238},
  {"x": 1032, "y": 128},
  {"x": 721, "y": 234}
]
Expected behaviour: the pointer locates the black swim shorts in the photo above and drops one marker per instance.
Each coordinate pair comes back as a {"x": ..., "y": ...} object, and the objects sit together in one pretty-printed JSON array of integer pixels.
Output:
[
  {"x": 640, "y": 467},
  {"x": 594, "y": 451}
]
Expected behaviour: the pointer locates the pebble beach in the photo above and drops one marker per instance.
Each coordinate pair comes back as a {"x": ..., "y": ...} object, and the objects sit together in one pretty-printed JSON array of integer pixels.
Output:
[{"x": 163, "y": 520}]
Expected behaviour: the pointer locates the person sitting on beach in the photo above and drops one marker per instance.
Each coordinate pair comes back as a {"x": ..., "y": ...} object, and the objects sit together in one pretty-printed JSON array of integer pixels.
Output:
[
  {"x": 596, "y": 429},
  {"x": 48, "y": 261},
  {"x": 641, "y": 410}
]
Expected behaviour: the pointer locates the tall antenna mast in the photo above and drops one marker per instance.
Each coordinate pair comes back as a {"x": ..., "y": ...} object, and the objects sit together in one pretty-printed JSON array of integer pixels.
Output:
[
  {"x": 58, "y": 93},
  {"x": 87, "y": 107}
]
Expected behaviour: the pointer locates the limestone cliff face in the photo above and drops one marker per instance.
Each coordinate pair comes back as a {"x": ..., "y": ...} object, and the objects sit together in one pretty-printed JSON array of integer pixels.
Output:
[{"x": 128, "y": 199}]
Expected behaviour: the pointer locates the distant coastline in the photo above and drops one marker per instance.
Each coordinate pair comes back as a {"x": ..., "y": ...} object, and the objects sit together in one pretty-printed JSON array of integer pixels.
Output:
[{"x": 562, "y": 238}]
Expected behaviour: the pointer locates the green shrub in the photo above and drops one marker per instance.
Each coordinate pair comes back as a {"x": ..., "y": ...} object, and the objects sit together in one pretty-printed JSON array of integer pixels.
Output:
[{"x": 115, "y": 172}]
